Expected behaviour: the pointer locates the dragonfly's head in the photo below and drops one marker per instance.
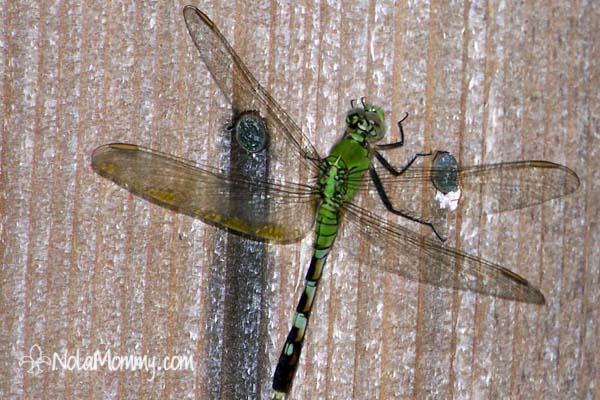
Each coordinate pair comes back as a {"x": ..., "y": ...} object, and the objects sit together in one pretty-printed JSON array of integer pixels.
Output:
[{"x": 368, "y": 120}]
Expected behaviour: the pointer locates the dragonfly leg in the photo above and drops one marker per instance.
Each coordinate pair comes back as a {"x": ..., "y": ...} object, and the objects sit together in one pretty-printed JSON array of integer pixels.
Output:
[
  {"x": 388, "y": 204},
  {"x": 399, "y": 143},
  {"x": 393, "y": 170}
]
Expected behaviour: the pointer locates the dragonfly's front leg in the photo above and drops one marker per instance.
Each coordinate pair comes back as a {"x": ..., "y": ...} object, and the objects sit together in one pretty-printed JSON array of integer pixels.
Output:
[
  {"x": 386, "y": 164},
  {"x": 388, "y": 204},
  {"x": 395, "y": 145},
  {"x": 399, "y": 143}
]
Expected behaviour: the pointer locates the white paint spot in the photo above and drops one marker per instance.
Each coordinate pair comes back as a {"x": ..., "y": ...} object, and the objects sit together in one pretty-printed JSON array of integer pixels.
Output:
[{"x": 449, "y": 200}]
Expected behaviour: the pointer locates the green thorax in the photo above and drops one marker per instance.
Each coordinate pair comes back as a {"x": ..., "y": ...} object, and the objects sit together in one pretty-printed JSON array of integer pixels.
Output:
[{"x": 350, "y": 158}]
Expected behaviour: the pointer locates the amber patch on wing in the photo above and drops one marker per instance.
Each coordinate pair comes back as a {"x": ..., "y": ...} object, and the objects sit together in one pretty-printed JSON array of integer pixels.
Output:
[
  {"x": 109, "y": 168},
  {"x": 166, "y": 196}
]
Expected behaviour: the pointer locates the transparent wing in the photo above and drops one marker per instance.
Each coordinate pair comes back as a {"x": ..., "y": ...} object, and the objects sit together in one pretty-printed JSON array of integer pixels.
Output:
[
  {"x": 277, "y": 211},
  {"x": 494, "y": 187},
  {"x": 288, "y": 147},
  {"x": 515, "y": 185},
  {"x": 426, "y": 260}
]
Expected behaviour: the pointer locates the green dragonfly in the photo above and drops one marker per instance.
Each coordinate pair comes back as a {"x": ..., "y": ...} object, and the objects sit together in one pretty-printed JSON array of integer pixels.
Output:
[{"x": 301, "y": 187}]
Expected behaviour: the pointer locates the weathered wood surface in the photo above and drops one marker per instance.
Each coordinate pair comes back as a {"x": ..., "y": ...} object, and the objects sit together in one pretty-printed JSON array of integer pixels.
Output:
[{"x": 84, "y": 266}]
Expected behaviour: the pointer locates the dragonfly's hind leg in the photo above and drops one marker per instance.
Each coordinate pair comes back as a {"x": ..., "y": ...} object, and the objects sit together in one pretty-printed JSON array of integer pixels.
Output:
[
  {"x": 386, "y": 164},
  {"x": 388, "y": 204}
]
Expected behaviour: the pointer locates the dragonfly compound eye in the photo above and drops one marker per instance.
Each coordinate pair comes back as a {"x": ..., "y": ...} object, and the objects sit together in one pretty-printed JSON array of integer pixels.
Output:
[{"x": 251, "y": 131}]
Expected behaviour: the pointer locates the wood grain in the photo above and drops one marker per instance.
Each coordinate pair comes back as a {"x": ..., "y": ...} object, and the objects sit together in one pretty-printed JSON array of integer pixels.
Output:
[{"x": 85, "y": 266}]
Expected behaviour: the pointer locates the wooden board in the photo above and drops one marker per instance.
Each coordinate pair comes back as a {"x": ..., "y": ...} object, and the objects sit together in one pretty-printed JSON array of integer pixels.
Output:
[{"x": 86, "y": 267}]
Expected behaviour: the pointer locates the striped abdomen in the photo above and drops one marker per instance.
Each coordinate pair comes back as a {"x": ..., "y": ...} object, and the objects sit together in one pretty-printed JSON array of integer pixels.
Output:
[
  {"x": 333, "y": 190},
  {"x": 327, "y": 228}
]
